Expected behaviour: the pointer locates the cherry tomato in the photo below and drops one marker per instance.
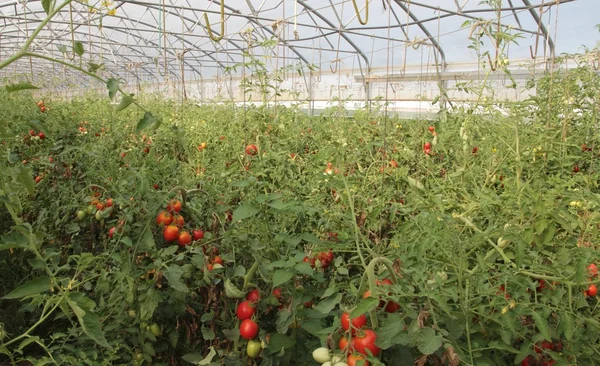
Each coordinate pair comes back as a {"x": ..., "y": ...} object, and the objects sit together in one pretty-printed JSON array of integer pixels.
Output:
[
  {"x": 277, "y": 293},
  {"x": 41, "y": 135},
  {"x": 357, "y": 322},
  {"x": 593, "y": 270},
  {"x": 364, "y": 341},
  {"x": 251, "y": 150},
  {"x": 253, "y": 296},
  {"x": 248, "y": 329},
  {"x": 427, "y": 146},
  {"x": 164, "y": 218},
  {"x": 179, "y": 221},
  {"x": 174, "y": 206},
  {"x": 111, "y": 232},
  {"x": 198, "y": 234},
  {"x": 171, "y": 233},
  {"x": 184, "y": 239},
  {"x": 592, "y": 290},
  {"x": 109, "y": 202},
  {"x": 245, "y": 310},
  {"x": 253, "y": 349},
  {"x": 353, "y": 360},
  {"x": 343, "y": 344},
  {"x": 155, "y": 329},
  {"x": 218, "y": 260}
]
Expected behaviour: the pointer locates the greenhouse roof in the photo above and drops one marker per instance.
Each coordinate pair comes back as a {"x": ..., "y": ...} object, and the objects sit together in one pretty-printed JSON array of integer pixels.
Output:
[{"x": 170, "y": 38}]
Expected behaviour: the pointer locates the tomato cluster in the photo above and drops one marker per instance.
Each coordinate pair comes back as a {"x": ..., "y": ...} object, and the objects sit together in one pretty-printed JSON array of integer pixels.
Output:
[
  {"x": 592, "y": 290},
  {"x": 321, "y": 260},
  {"x": 357, "y": 341},
  {"x": 41, "y": 106},
  {"x": 390, "y": 306}
]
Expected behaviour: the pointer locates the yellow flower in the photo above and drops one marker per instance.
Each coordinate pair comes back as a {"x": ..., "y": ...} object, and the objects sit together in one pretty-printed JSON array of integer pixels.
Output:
[
  {"x": 112, "y": 12},
  {"x": 504, "y": 310},
  {"x": 512, "y": 304}
]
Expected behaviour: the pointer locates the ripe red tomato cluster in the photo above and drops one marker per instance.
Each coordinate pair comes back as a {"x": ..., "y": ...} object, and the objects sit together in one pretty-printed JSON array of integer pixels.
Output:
[
  {"x": 42, "y": 106},
  {"x": 324, "y": 259},
  {"x": 245, "y": 311},
  {"x": 34, "y": 136},
  {"x": 592, "y": 290},
  {"x": 357, "y": 341},
  {"x": 173, "y": 222},
  {"x": 390, "y": 306},
  {"x": 427, "y": 148}
]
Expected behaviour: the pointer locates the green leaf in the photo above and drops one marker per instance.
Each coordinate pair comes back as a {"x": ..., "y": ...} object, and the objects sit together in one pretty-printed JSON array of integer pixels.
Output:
[
  {"x": 62, "y": 48},
  {"x": 568, "y": 325},
  {"x": 148, "y": 303},
  {"x": 197, "y": 358},
  {"x": 207, "y": 333},
  {"x": 14, "y": 240},
  {"x": 281, "y": 276},
  {"x": 33, "y": 287},
  {"x": 244, "y": 212},
  {"x": 304, "y": 268},
  {"x": 125, "y": 102},
  {"x": 47, "y": 5},
  {"x": 364, "y": 306},
  {"x": 502, "y": 347},
  {"x": 148, "y": 121},
  {"x": 78, "y": 48},
  {"x": 113, "y": 87},
  {"x": 173, "y": 274},
  {"x": 207, "y": 317},
  {"x": 25, "y": 177},
  {"x": 279, "y": 342},
  {"x": 92, "y": 67},
  {"x": 427, "y": 341},
  {"x": 541, "y": 324},
  {"x": 231, "y": 291},
  {"x": 90, "y": 323},
  {"x": 11, "y": 88},
  {"x": 325, "y": 306},
  {"x": 284, "y": 320},
  {"x": 147, "y": 240}
]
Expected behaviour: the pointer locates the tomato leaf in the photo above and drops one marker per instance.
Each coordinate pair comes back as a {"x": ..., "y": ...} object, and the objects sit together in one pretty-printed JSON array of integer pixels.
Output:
[
  {"x": 541, "y": 324},
  {"x": 90, "y": 323},
  {"x": 92, "y": 67},
  {"x": 568, "y": 325},
  {"x": 427, "y": 341},
  {"x": 78, "y": 48},
  {"x": 148, "y": 122},
  {"x": 281, "y": 276},
  {"x": 125, "y": 102},
  {"x": 173, "y": 274},
  {"x": 47, "y": 5},
  {"x": 33, "y": 287},
  {"x": 244, "y": 212},
  {"x": 325, "y": 306},
  {"x": 25, "y": 177},
  {"x": 11, "y": 88},
  {"x": 13, "y": 240},
  {"x": 113, "y": 86},
  {"x": 148, "y": 303},
  {"x": 284, "y": 320},
  {"x": 364, "y": 306},
  {"x": 231, "y": 291},
  {"x": 279, "y": 342},
  {"x": 197, "y": 358}
]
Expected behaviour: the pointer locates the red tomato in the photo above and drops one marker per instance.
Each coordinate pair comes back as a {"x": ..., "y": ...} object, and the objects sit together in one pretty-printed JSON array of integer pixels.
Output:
[
  {"x": 218, "y": 260},
  {"x": 575, "y": 168},
  {"x": 40, "y": 103},
  {"x": 427, "y": 146},
  {"x": 253, "y": 296},
  {"x": 174, "y": 206},
  {"x": 529, "y": 361},
  {"x": 251, "y": 150},
  {"x": 393, "y": 164},
  {"x": 179, "y": 221},
  {"x": 277, "y": 293},
  {"x": 428, "y": 151},
  {"x": 155, "y": 185},
  {"x": 43, "y": 109},
  {"x": 171, "y": 233},
  {"x": 431, "y": 128},
  {"x": 343, "y": 344},
  {"x": 109, "y": 202},
  {"x": 475, "y": 150},
  {"x": 364, "y": 341},
  {"x": 184, "y": 239},
  {"x": 31, "y": 133},
  {"x": 357, "y": 322},
  {"x": 38, "y": 179},
  {"x": 592, "y": 290},
  {"x": 41, "y": 135},
  {"x": 164, "y": 218},
  {"x": 353, "y": 360},
  {"x": 111, "y": 232},
  {"x": 100, "y": 206},
  {"x": 593, "y": 270},
  {"x": 245, "y": 310},
  {"x": 198, "y": 234},
  {"x": 209, "y": 267},
  {"x": 248, "y": 329},
  {"x": 541, "y": 285}
]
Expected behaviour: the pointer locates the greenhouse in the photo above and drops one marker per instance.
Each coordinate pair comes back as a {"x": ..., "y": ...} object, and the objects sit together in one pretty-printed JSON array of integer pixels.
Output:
[{"x": 299, "y": 182}]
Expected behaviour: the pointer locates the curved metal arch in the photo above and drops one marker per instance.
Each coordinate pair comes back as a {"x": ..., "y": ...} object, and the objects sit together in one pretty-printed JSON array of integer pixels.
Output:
[
  {"x": 93, "y": 45},
  {"x": 541, "y": 26},
  {"x": 346, "y": 38},
  {"x": 424, "y": 29}
]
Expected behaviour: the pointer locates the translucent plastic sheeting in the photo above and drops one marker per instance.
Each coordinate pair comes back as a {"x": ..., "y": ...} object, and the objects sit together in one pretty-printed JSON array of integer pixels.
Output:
[{"x": 167, "y": 40}]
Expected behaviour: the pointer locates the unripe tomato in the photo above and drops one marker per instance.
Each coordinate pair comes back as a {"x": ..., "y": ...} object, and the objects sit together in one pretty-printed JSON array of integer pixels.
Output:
[
  {"x": 155, "y": 329},
  {"x": 171, "y": 233},
  {"x": 357, "y": 322},
  {"x": 245, "y": 310},
  {"x": 248, "y": 329},
  {"x": 81, "y": 215},
  {"x": 321, "y": 355},
  {"x": 253, "y": 348}
]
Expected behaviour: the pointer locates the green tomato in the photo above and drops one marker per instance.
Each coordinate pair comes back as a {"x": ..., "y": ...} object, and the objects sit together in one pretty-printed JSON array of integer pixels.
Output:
[
  {"x": 81, "y": 215},
  {"x": 99, "y": 215},
  {"x": 131, "y": 313},
  {"x": 155, "y": 329},
  {"x": 138, "y": 356},
  {"x": 90, "y": 209},
  {"x": 253, "y": 348}
]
